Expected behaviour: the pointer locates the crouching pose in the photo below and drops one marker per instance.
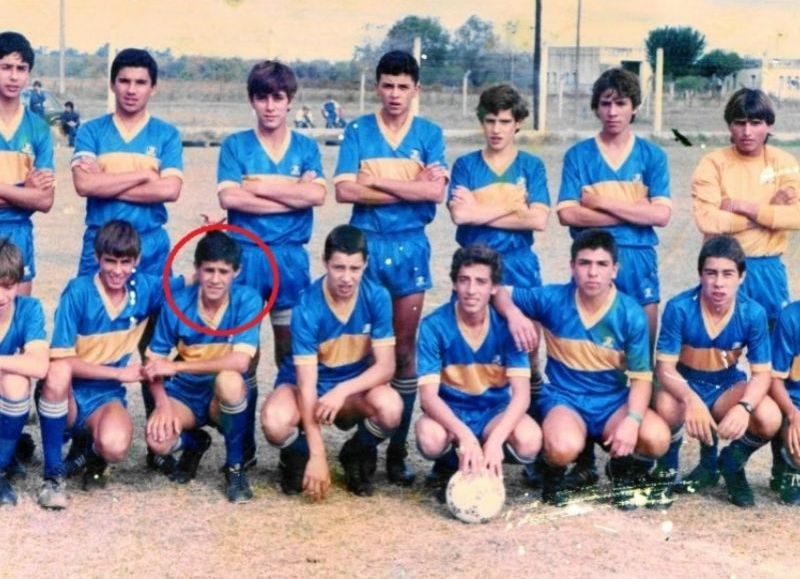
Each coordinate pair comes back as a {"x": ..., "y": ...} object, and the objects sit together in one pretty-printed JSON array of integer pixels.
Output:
[
  {"x": 474, "y": 382},
  {"x": 343, "y": 361},
  {"x": 598, "y": 369},
  {"x": 205, "y": 384},
  {"x": 704, "y": 332}
]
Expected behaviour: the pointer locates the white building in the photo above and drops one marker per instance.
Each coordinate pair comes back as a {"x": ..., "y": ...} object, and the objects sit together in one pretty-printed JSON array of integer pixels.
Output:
[
  {"x": 594, "y": 60},
  {"x": 778, "y": 77}
]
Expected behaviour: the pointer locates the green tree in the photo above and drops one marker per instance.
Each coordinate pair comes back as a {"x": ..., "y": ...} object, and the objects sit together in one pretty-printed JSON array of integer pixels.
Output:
[
  {"x": 720, "y": 63},
  {"x": 473, "y": 43},
  {"x": 682, "y": 46},
  {"x": 435, "y": 39}
]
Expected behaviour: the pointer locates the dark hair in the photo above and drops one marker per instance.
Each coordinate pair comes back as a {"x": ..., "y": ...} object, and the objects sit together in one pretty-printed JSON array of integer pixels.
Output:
[
  {"x": 11, "y": 42},
  {"x": 218, "y": 246},
  {"x": 502, "y": 97},
  {"x": 117, "y": 238},
  {"x": 479, "y": 254},
  {"x": 397, "y": 62},
  {"x": 11, "y": 267},
  {"x": 722, "y": 246},
  {"x": 134, "y": 58},
  {"x": 621, "y": 81},
  {"x": 749, "y": 103},
  {"x": 69, "y": 104},
  {"x": 594, "y": 239},
  {"x": 346, "y": 239},
  {"x": 271, "y": 77}
]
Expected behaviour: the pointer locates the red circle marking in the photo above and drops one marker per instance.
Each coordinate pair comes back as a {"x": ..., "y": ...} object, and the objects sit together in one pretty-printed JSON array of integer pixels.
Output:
[{"x": 220, "y": 227}]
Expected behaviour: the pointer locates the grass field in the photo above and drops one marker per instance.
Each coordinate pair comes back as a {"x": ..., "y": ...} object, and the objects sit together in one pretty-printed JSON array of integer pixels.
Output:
[{"x": 143, "y": 525}]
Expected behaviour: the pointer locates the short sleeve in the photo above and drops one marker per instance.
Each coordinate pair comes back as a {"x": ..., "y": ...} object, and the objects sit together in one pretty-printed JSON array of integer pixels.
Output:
[
  {"x": 536, "y": 179},
  {"x": 670, "y": 336},
  {"x": 429, "y": 354},
  {"x": 33, "y": 329},
  {"x": 65, "y": 327},
  {"x": 349, "y": 159},
  {"x": 229, "y": 172},
  {"x": 172, "y": 154},
  {"x": 657, "y": 176}
]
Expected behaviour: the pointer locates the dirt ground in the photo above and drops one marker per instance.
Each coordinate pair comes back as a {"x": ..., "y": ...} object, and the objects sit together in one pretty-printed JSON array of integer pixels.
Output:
[{"x": 143, "y": 525}]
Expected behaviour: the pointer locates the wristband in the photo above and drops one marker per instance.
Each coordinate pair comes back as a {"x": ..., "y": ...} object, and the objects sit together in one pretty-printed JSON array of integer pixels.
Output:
[
  {"x": 746, "y": 405},
  {"x": 635, "y": 416}
]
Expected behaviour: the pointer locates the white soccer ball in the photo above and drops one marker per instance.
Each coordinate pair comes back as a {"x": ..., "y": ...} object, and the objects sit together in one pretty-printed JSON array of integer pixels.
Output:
[{"x": 475, "y": 498}]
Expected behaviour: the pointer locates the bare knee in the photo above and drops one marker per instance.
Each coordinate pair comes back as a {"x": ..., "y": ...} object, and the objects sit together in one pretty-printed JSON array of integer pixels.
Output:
[
  {"x": 162, "y": 447},
  {"x": 387, "y": 407},
  {"x": 562, "y": 448},
  {"x": 669, "y": 409},
  {"x": 113, "y": 443},
  {"x": 766, "y": 419},
  {"x": 526, "y": 438},
  {"x": 654, "y": 436},
  {"x": 432, "y": 438},
  {"x": 58, "y": 381},
  {"x": 229, "y": 387},
  {"x": 278, "y": 419}
]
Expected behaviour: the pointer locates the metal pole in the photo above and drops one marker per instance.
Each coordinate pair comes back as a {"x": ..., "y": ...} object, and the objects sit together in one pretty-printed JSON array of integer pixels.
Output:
[
  {"x": 577, "y": 62},
  {"x": 537, "y": 67},
  {"x": 61, "y": 47},
  {"x": 659, "y": 96},
  {"x": 418, "y": 56},
  {"x": 464, "y": 93},
  {"x": 542, "y": 93},
  {"x": 362, "y": 92}
]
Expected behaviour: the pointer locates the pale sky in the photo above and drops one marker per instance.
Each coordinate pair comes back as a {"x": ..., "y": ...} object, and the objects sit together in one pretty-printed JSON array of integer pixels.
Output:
[{"x": 329, "y": 29}]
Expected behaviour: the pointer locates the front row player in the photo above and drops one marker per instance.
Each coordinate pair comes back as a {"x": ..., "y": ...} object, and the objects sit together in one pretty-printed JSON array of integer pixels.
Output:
[
  {"x": 598, "y": 366},
  {"x": 206, "y": 383},
  {"x": 474, "y": 382},
  {"x": 23, "y": 355},
  {"x": 343, "y": 346},
  {"x": 99, "y": 321},
  {"x": 704, "y": 332}
]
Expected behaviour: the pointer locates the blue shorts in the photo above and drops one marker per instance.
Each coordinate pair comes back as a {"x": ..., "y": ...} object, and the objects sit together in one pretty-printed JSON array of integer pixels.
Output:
[
  {"x": 287, "y": 375},
  {"x": 766, "y": 283},
  {"x": 710, "y": 393},
  {"x": 90, "y": 395},
  {"x": 594, "y": 409},
  {"x": 196, "y": 397},
  {"x": 400, "y": 263},
  {"x": 476, "y": 411},
  {"x": 293, "y": 272},
  {"x": 638, "y": 274},
  {"x": 21, "y": 235},
  {"x": 521, "y": 269},
  {"x": 155, "y": 250}
]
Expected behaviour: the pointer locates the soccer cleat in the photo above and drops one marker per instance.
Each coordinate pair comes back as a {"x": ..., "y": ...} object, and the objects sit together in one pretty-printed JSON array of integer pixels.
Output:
[
  {"x": 359, "y": 466},
  {"x": 789, "y": 486},
  {"x": 581, "y": 476},
  {"x": 532, "y": 473},
  {"x": 237, "y": 487},
  {"x": 739, "y": 491},
  {"x": 23, "y": 453},
  {"x": 163, "y": 464},
  {"x": 75, "y": 466},
  {"x": 630, "y": 487},
  {"x": 75, "y": 461},
  {"x": 53, "y": 494},
  {"x": 95, "y": 475},
  {"x": 397, "y": 469},
  {"x": 292, "y": 466},
  {"x": 8, "y": 495},
  {"x": 438, "y": 477},
  {"x": 661, "y": 482},
  {"x": 699, "y": 479},
  {"x": 16, "y": 469},
  {"x": 250, "y": 458},
  {"x": 779, "y": 468},
  {"x": 186, "y": 469},
  {"x": 553, "y": 490}
]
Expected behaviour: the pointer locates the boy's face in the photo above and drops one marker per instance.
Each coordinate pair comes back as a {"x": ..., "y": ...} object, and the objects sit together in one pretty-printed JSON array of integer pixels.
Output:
[
  {"x": 593, "y": 271},
  {"x": 474, "y": 288},
  {"x": 499, "y": 130},
  {"x": 749, "y": 136},
  {"x": 344, "y": 273},
  {"x": 615, "y": 112},
  {"x": 719, "y": 281},
  {"x": 396, "y": 91},
  {"x": 271, "y": 110},
  {"x": 132, "y": 89},
  {"x": 116, "y": 271},
  {"x": 215, "y": 279},
  {"x": 8, "y": 291},
  {"x": 14, "y": 74}
]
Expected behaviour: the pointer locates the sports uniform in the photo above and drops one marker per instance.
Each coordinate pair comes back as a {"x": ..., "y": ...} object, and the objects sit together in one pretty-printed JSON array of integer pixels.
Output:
[
  {"x": 154, "y": 145},
  {"x": 473, "y": 377},
  {"x": 725, "y": 174},
  {"x": 643, "y": 174},
  {"x": 590, "y": 357},
  {"x": 25, "y": 144},
  {"x": 398, "y": 248},
  {"x": 786, "y": 351},
  {"x": 521, "y": 184},
  {"x": 244, "y": 157}
]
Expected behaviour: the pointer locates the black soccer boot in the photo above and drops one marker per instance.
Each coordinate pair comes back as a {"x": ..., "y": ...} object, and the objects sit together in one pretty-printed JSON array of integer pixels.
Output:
[
  {"x": 358, "y": 464},
  {"x": 553, "y": 489},
  {"x": 186, "y": 469},
  {"x": 732, "y": 469},
  {"x": 397, "y": 469},
  {"x": 237, "y": 487},
  {"x": 292, "y": 466}
]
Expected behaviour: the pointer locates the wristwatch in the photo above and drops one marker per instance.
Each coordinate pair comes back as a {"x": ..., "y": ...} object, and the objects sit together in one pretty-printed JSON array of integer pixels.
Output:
[{"x": 746, "y": 405}]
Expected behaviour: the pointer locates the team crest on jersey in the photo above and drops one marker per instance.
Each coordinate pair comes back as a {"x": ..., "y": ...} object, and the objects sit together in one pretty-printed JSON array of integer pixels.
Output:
[
  {"x": 768, "y": 175},
  {"x": 497, "y": 360},
  {"x": 522, "y": 182},
  {"x": 295, "y": 171},
  {"x": 736, "y": 345},
  {"x": 637, "y": 178},
  {"x": 608, "y": 342},
  {"x": 415, "y": 155},
  {"x": 366, "y": 329},
  {"x": 27, "y": 149},
  {"x": 150, "y": 151},
  {"x": 420, "y": 280},
  {"x": 648, "y": 292}
]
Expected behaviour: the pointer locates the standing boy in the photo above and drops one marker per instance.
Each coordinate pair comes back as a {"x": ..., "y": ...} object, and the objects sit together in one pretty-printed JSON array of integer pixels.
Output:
[{"x": 392, "y": 169}]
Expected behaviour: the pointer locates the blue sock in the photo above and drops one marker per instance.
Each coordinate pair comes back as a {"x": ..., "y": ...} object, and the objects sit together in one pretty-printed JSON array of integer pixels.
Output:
[
  {"x": 188, "y": 441},
  {"x": 739, "y": 451},
  {"x": 407, "y": 388},
  {"x": 298, "y": 445},
  {"x": 53, "y": 422},
  {"x": 252, "y": 402},
  {"x": 670, "y": 460},
  {"x": 13, "y": 416},
  {"x": 369, "y": 433},
  {"x": 708, "y": 455},
  {"x": 233, "y": 423}
]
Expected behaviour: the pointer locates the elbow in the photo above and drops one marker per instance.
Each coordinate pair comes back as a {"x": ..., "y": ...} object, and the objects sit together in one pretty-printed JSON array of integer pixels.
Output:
[
  {"x": 41, "y": 369},
  {"x": 340, "y": 191},
  {"x": 172, "y": 195},
  {"x": 563, "y": 218},
  {"x": 46, "y": 202},
  {"x": 318, "y": 200},
  {"x": 225, "y": 200}
]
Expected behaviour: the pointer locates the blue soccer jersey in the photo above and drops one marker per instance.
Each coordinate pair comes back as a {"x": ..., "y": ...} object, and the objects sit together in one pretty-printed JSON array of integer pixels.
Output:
[
  {"x": 24, "y": 329},
  {"x": 340, "y": 339},
  {"x": 447, "y": 357},
  {"x": 589, "y": 354},
  {"x": 643, "y": 174},
  {"x": 707, "y": 354},
  {"x": 173, "y": 337},
  {"x": 368, "y": 147},
  {"x": 517, "y": 186},
  {"x": 88, "y": 325},
  {"x": 786, "y": 350},
  {"x": 244, "y": 157},
  {"x": 154, "y": 145},
  {"x": 25, "y": 144}
]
